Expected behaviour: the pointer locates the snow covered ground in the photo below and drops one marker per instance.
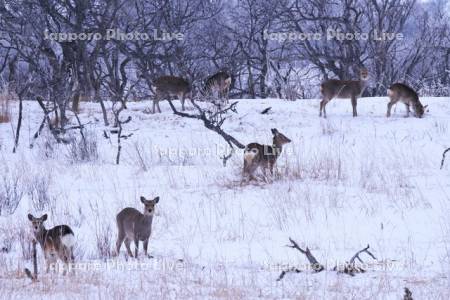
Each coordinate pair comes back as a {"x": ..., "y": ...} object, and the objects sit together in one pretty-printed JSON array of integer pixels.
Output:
[{"x": 341, "y": 184}]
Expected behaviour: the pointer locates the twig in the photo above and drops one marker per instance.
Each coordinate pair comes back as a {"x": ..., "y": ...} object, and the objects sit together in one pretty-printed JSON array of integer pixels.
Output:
[
  {"x": 284, "y": 272},
  {"x": 443, "y": 157},
  {"x": 266, "y": 110},
  {"x": 408, "y": 294},
  {"x": 33, "y": 276}
]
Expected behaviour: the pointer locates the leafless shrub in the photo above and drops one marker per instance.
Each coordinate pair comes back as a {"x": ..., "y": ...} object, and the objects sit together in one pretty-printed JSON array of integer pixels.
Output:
[
  {"x": 292, "y": 92},
  {"x": 25, "y": 243},
  {"x": 46, "y": 145},
  {"x": 38, "y": 191},
  {"x": 83, "y": 149},
  {"x": 11, "y": 191},
  {"x": 141, "y": 157},
  {"x": 103, "y": 240}
]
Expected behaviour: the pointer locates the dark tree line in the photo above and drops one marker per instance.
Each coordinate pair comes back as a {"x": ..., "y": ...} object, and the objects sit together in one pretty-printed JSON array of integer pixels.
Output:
[{"x": 217, "y": 35}]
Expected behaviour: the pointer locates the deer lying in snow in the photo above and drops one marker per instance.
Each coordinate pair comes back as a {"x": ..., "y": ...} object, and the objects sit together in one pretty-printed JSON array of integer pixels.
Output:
[
  {"x": 264, "y": 156},
  {"x": 170, "y": 86},
  {"x": 352, "y": 89},
  {"x": 135, "y": 226},
  {"x": 56, "y": 243},
  {"x": 402, "y": 92}
]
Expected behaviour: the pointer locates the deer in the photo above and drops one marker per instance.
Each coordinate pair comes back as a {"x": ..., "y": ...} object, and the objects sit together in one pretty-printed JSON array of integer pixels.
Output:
[
  {"x": 402, "y": 92},
  {"x": 135, "y": 226},
  {"x": 170, "y": 86},
  {"x": 57, "y": 242},
  {"x": 263, "y": 156},
  {"x": 220, "y": 83},
  {"x": 343, "y": 89}
]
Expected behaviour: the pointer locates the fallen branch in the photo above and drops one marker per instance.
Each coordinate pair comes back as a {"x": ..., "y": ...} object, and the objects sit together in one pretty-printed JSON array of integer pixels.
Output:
[
  {"x": 315, "y": 265},
  {"x": 443, "y": 157},
  {"x": 351, "y": 268}
]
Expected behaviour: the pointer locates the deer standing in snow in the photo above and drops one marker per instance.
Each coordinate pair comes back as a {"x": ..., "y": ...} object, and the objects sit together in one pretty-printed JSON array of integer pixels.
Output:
[
  {"x": 218, "y": 83},
  {"x": 343, "y": 89},
  {"x": 264, "y": 156},
  {"x": 57, "y": 242},
  {"x": 135, "y": 226},
  {"x": 402, "y": 92},
  {"x": 170, "y": 86}
]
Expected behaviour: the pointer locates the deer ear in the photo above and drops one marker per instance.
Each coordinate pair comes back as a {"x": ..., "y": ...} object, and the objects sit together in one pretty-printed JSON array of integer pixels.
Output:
[
  {"x": 30, "y": 217},
  {"x": 156, "y": 199},
  {"x": 44, "y": 217},
  {"x": 143, "y": 199},
  {"x": 274, "y": 131}
]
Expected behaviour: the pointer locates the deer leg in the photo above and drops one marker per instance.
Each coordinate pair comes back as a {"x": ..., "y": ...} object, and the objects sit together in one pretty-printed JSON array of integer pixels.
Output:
[
  {"x": 154, "y": 105},
  {"x": 354, "y": 103},
  {"x": 127, "y": 245},
  {"x": 159, "y": 108},
  {"x": 271, "y": 168},
  {"x": 323, "y": 103},
  {"x": 407, "y": 110},
  {"x": 136, "y": 247},
  {"x": 64, "y": 257},
  {"x": 47, "y": 262},
  {"x": 71, "y": 258},
  {"x": 245, "y": 171},
  {"x": 146, "y": 247},
  {"x": 182, "y": 101},
  {"x": 389, "y": 107},
  {"x": 119, "y": 242}
]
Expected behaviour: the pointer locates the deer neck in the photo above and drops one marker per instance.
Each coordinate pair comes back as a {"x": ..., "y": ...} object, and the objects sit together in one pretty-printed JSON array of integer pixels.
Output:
[
  {"x": 40, "y": 236},
  {"x": 146, "y": 219},
  {"x": 277, "y": 148}
]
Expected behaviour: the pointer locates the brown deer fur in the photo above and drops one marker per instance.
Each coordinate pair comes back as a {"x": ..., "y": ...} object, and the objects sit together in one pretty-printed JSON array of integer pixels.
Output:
[{"x": 334, "y": 88}]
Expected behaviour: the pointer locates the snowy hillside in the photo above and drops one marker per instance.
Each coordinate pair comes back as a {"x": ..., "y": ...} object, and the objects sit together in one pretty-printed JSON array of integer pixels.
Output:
[{"x": 341, "y": 184}]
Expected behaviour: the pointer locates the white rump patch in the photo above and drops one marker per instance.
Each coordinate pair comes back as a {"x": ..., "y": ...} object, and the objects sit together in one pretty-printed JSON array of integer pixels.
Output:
[
  {"x": 68, "y": 240},
  {"x": 389, "y": 92},
  {"x": 250, "y": 154}
]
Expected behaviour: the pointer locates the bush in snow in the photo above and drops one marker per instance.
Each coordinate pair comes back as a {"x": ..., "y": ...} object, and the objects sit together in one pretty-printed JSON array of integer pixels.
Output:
[{"x": 83, "y": 149}]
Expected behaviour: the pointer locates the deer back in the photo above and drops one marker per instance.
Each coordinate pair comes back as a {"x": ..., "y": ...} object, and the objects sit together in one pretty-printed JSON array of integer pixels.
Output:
[
  {"x": 342, "y": 88},
  {"x": 171, "y": 85},
  {"x": 220, "y": 81}
]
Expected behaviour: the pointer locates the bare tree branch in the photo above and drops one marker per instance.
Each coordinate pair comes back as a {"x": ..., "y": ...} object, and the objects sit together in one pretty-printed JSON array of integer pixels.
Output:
[{"x": 213, "y": 122}]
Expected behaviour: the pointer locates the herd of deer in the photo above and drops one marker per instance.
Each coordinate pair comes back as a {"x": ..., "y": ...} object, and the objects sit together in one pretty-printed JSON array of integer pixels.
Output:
[{"x": 134, "y": 226}]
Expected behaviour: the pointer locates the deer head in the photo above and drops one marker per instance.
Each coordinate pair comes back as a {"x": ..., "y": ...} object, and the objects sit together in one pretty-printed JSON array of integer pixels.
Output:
[{"x": 149, "y": 205}]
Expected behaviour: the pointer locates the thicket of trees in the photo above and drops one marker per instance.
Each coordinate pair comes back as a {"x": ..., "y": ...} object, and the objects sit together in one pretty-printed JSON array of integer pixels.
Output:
[{"x": 235, "y": 36}]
